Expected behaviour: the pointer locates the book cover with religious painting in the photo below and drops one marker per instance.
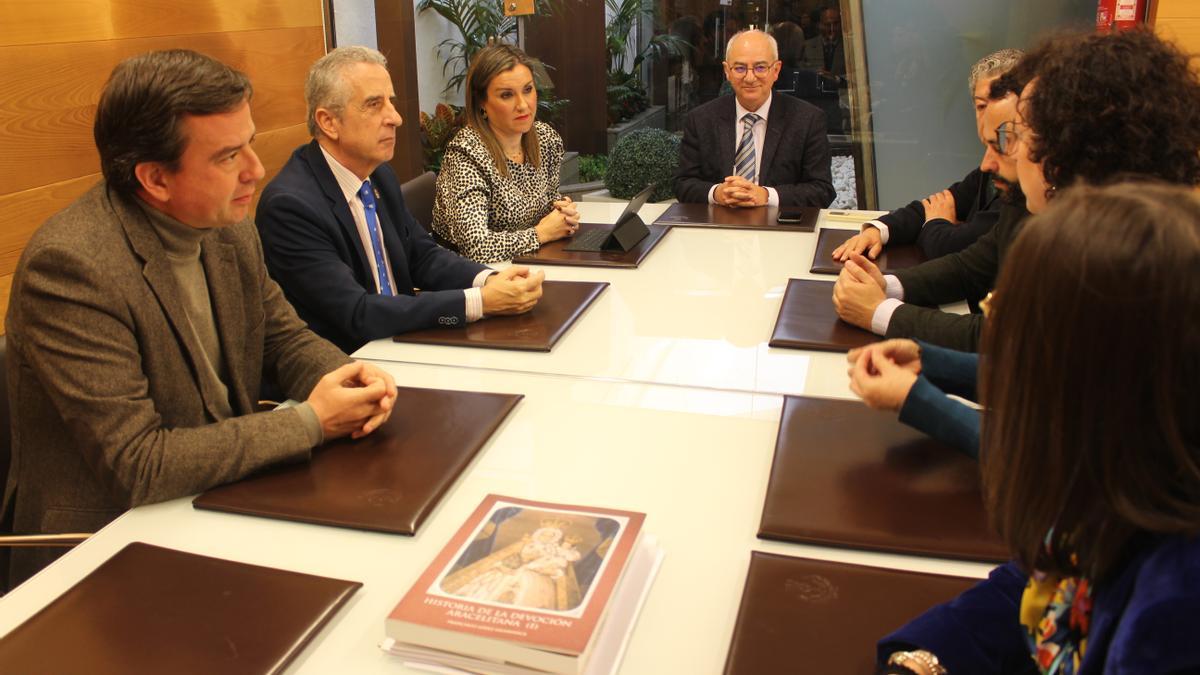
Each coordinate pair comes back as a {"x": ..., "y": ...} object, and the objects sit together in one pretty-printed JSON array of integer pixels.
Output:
[{"x": 530, "y": 580}]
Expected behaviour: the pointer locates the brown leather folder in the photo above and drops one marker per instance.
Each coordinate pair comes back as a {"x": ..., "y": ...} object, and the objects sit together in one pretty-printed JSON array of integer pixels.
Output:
[
  {"x": 810, "y": 616},
  {"x": 846, "y": 475},
  {"x": 712, "y": 215},
  {"x": 149, "y": 609},
  {"x": 388, "y": 481},
  {"x": 553, "y": 253},
  {"x": 537, "y": 330},
  {"x": 807, "y": 320},
  {"x": 893, "y": 257}
]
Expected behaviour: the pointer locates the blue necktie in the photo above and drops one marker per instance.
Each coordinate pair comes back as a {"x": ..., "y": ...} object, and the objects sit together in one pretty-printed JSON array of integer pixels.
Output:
[
  {"x": 743, "y": 160},
  {"x": 368, "y": 200}
]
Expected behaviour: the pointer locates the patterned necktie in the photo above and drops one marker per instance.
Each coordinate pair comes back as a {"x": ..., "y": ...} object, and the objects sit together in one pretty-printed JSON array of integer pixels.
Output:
[
  {"x": 743, "y": 160},
  {"x": 368, "y": 201}
]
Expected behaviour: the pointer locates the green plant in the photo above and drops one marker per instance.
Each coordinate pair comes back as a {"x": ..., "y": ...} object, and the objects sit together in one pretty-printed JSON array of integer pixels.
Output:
[
  {"x": 478, "y": 22},
  {"x": 643, "y": 157},
  {"x": 626, "y": 94},
  {"x": 436, "y": 131},
  {"x": 592, "y": 167}
]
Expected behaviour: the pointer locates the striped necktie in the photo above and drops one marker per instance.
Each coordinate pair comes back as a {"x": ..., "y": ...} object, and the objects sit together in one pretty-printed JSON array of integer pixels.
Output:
[
  {"x": 368, "y": 202},
  {"x": 743, "y": 160}
]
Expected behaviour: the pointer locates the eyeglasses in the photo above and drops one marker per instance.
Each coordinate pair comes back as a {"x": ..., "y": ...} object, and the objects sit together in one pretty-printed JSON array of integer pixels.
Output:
[
  {"x": 1006, "y": 138},
  {"x": 759, "y": 69}
]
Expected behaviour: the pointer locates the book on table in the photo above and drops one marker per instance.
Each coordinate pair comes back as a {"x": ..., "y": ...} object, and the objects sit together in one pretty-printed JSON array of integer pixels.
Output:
[{"x": 529, "y": 587}]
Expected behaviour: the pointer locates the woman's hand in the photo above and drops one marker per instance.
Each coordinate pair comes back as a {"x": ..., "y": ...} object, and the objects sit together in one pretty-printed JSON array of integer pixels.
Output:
[
  {"x": 556, "y": 225},
  {"x": 883, "y": 384}
]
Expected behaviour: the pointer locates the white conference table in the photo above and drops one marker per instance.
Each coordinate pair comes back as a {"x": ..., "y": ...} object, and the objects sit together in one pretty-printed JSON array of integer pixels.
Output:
[
  {"x": 664, "y": 398},
  {"x": 698, "y": 312},
  {"x": 696, "y": 461}
]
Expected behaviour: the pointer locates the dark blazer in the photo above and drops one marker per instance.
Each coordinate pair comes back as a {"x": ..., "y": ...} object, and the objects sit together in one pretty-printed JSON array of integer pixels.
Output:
[
  {"x": 967, "y": 275},
  {"x": 796, "y": 158},
  {"x": 1143, "y": 618},
  {"x": 107, "y": 410},
  {"x": 928, "y": 409},
  {"x": 313, "y": 250},
  {"x": 977, "y": 208}
]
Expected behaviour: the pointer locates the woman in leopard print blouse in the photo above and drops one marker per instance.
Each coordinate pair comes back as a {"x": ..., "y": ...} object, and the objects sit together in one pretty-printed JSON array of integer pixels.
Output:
[{"x": 497, "y": 193}]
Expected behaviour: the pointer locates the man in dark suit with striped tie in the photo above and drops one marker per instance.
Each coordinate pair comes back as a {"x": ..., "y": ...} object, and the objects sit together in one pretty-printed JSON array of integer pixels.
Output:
[
  {"x": 755, "y": 148},
  {"x": 338, "y": 238}
]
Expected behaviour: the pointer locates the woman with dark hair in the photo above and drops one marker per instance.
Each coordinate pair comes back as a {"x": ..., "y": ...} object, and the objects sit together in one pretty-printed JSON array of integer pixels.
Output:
[
  {"x": 497, "y": 193},
  {"x": 1091, "y": 457},
  {"x": 1092, "y": 108}
]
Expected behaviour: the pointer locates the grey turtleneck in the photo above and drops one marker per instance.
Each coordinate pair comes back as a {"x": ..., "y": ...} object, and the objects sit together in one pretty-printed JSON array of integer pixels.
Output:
[{"x": 181, "y": 242}]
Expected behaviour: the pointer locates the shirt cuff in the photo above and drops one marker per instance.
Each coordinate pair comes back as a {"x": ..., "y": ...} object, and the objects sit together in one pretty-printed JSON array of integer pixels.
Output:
[
  {"x": 712, "y": 194},
  {"x": 883, "y": 229},
  {"x": 883, "y": 315},
  {"x": 894, "y": 288},
  {"x": 482, "y": 277},
  {"x": 772, "y": 197},
  {"x": 310, "y": 422},
  {"x": 474, "y": 304}
]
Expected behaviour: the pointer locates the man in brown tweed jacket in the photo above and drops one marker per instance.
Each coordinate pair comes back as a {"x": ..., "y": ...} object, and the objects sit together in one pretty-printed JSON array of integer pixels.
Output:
[{"x": 142, "y": 320}]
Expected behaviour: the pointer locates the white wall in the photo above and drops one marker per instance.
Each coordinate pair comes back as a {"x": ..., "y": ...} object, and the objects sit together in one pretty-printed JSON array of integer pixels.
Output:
[
  {"x": 430, "y": 30},
  {"x": 354, "y": 23}
]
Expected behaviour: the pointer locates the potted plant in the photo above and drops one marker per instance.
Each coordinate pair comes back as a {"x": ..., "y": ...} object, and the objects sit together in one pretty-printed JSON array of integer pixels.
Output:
[{"x": 643, "y": 157}]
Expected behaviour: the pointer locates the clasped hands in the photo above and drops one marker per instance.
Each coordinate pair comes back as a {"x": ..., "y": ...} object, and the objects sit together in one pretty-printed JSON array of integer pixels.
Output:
[
  {"x": 883, "y": 373},
  {"x": 514, "y": 290},
  {"x": 869, "y": 242},
  {"x": 561, "y": 222},
  {"x": 859, "y": 290},
  {"x": 736, "y": 191},
  {"x": 354, "y": 399}
]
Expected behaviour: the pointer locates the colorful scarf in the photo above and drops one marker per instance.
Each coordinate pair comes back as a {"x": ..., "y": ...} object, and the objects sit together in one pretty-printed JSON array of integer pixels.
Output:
[{"x": 1056, "y": 614}]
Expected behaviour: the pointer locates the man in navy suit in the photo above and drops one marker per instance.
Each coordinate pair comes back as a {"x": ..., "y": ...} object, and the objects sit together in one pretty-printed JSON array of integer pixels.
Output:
[
  {"x": 337, "y": 236},
  {"x": 754, "y": 148}
]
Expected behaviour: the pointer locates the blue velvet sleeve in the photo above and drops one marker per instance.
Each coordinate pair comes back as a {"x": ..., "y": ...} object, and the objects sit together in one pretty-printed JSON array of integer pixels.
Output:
[
  {"x": 927, "y": 409},
  {"x": 952, "y": 371},
  {"x": 977, "y": 632}
]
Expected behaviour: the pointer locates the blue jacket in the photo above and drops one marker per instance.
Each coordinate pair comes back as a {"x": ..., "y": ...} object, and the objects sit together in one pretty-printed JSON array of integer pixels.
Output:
[
  {"x": 1145, "y": 619},
  {"x": 313, "y": 251},
  {"x": 945, "y": 371}
]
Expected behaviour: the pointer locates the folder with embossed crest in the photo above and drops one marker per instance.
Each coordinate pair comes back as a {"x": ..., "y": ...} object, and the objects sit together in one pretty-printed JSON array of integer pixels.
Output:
[
  {"x": 149, "y": 609},
  {"x": 846, "y": 475},
  {"x": 807, "y": 320},
  {"x": 755, "y": 218},
  {"x": 812, "y": 616},
  {"x": 561, "y": 305},
  {"x": 388, "y": 481},
  {"x": 893, "y": 257}
]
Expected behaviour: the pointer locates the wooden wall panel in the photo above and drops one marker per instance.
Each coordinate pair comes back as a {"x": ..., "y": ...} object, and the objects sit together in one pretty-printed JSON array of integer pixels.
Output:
[
  {"x": 55, "y": 56},
  {"x": 29, "y": 22},
  {"x": 1179, "y": 21},
  {"x": 394, "y": 32},
  {"x": 5, "y": 285},
  {"x": 22, "y": 212},
  {"x": 51, "y": 93}
]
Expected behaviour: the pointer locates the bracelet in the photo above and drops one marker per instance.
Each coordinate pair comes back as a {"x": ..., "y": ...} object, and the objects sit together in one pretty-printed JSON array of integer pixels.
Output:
[{"x": 919, "y": 657}]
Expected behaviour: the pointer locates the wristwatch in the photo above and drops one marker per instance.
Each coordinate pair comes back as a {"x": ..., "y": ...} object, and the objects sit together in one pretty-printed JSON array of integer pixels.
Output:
[{"x": 917, "y": 657}]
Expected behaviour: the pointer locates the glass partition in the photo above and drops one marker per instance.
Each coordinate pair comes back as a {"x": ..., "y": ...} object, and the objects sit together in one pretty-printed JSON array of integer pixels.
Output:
[{"x": 890, "y": 75}]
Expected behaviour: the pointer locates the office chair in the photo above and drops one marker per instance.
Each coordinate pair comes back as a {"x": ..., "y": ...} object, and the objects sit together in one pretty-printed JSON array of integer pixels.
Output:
[{"x": 418, "y": 196}]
